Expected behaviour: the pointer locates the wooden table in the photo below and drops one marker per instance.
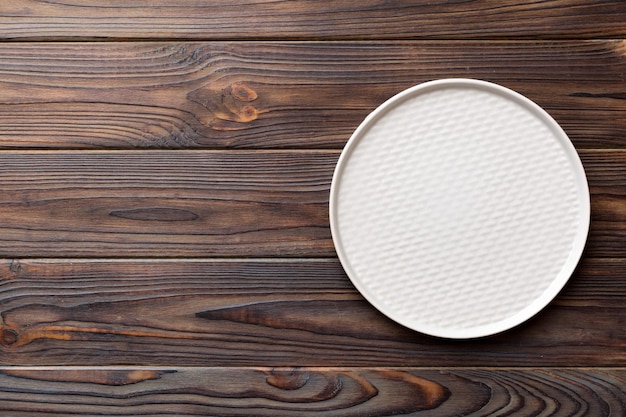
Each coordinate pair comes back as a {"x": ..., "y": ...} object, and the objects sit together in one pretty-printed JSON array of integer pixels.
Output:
[{"x": 164, "y": 179}]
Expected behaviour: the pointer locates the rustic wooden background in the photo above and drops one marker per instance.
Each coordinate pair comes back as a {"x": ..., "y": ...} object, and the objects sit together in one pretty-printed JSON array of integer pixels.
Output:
[{"x": 164, "y": 176}]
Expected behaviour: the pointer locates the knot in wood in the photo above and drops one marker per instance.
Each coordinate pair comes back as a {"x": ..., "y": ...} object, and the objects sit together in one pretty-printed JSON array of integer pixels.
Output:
[
  {"x": 243, "y": 92},
  {"x": 8, "y": 337},
  {"x": 288, "y": 380},
  {"x": 248, "y": 114}
]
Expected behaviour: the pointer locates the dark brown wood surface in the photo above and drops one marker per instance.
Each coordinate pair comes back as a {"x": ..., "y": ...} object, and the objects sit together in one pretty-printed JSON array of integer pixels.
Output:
[
  {"x": 333, "y": 392},
  {"x": 307, "y": 19},
  {"x": 163, "y": 204},
  {"x": 281, "y": 95},
  {"x": 164, "y": 176},
  {"x": 272, "y": 313}
]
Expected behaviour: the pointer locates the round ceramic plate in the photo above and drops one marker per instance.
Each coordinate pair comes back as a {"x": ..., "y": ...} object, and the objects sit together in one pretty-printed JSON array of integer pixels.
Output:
[{"x": 459, "y": 208}]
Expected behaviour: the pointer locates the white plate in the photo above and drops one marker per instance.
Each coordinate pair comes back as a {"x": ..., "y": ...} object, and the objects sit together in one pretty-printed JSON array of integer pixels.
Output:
[{"x": 459, "y": 208}]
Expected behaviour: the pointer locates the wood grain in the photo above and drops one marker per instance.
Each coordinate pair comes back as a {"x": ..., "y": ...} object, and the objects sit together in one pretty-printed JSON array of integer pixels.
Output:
[
  {"x": 165, "y": 204},
  {"x": 210, "y": 203},
  {"x": 168, "y": 280},
  {"x": 281, "y": 95},
  {"x": 607, "y": 235},
  {"x": 303, "y": 19},
  {"x": 272, "y": 313},
  {"x": 337, "y": 392}
]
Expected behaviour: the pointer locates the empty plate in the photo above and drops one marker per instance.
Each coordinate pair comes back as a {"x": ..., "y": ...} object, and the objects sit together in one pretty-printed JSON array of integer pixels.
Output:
[{"x": 459, "y": 208}]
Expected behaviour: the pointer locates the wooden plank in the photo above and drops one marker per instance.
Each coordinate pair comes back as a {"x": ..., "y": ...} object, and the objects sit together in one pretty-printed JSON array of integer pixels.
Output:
[
  {"x": 210, "y": 203},
  {"x": 165, "y": 204},
  {"x": 337, "y": 392},
  {"x": 271, "y": 313},
  {"x": 281, "y": 95},
  {"x": 369, "y": 19},
  {"x": 607, "y": 235}
]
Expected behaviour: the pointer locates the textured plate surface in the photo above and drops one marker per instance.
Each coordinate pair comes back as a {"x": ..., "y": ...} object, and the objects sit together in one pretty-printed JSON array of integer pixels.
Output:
[{"x": 459, "y": 208}]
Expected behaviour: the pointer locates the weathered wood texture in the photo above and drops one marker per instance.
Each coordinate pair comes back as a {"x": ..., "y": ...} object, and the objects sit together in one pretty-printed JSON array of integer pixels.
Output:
[
  {"x": 281, "y": 95},
  {"x": 302, "y": 19},
  {"x": 273, "y": 313},
  {"x": 336, "y": 392},
  {"x": 210, "y": 203},
  {"x": 165, "y": 204},
  {"x": 201, "y": 268}
]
